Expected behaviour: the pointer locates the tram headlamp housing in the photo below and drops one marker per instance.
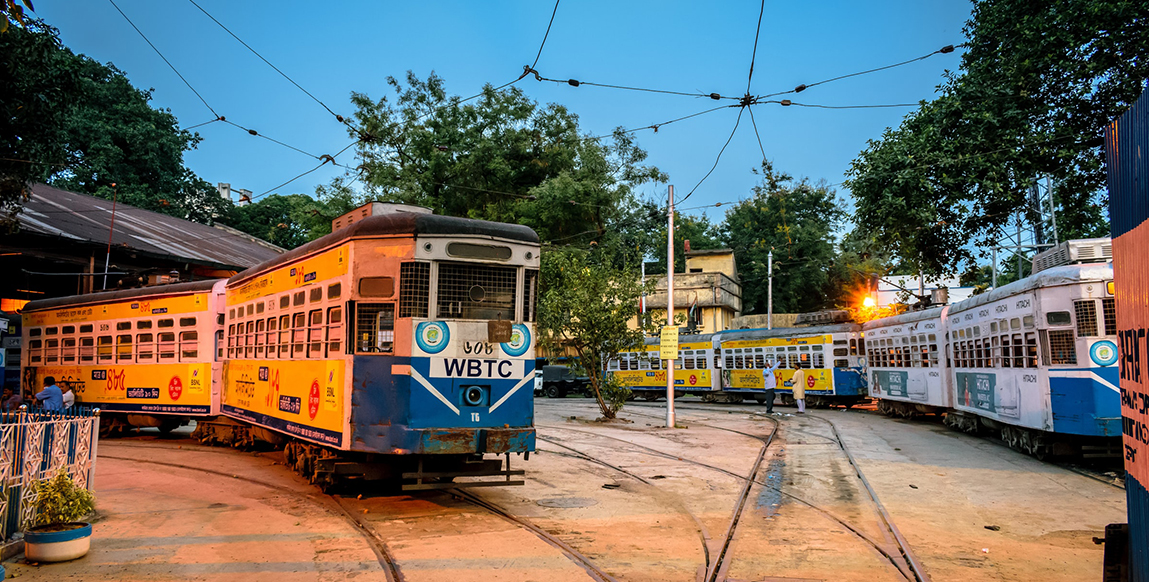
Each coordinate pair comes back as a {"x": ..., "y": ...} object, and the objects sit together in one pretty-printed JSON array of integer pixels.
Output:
[{"x": 476, "y": 395}]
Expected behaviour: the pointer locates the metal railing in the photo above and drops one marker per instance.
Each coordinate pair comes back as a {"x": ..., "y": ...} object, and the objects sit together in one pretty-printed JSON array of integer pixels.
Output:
[{"x": 35, "y": 444}]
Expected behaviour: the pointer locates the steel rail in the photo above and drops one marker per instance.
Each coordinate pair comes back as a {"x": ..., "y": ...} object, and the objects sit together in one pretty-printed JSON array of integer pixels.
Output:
[{"x": 571, "y": 553}]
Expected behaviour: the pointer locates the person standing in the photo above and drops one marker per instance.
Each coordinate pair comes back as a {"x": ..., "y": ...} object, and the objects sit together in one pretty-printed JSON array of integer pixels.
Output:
[
  {"x": 770, "y": 383},
  {"x": 69, "y": 397},
  {"x": 51, "y": 398},
  {"x": 798, "y": 384}
]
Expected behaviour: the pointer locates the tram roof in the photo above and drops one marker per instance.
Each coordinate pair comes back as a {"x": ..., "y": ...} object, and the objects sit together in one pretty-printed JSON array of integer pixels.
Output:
[
  {"x": 924, "y": 314},
  {"x": 789, "y": 331},
  {"x": 400, "y": 223},
  {"x": 1052, "y": 277},
  {"x": 112, "y": 296}
]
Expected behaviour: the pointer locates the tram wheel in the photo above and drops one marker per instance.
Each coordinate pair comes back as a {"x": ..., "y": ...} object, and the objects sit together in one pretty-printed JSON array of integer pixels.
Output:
[
  {"x": 760, "y": 398},
  {"x": 650, "y": 396}
]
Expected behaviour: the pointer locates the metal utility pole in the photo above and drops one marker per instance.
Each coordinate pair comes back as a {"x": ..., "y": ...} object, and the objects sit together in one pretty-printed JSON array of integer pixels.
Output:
[
  {"x": 770, "y": 290},
  {"x": 1019, "y": 275},
  {"x": 994, "y": 268},
  {"x": 670, "y": 305},
  {"x": 111, "y": 228},
  {"x": 1052, "y": 210}
]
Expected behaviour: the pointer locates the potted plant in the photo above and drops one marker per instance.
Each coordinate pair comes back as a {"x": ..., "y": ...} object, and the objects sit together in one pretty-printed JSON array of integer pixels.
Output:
[{"x": 58, "y": 535}]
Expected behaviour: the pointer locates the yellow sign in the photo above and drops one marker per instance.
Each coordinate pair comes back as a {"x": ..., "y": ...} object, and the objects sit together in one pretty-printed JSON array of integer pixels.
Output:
[
  {"x": 145, "y": 306},
  {"x": 1109, "y": 288},
  {"x": 668, "y": 347},
  {"x": 183, "y": 389},
  {"x": 324, "y": 266}
]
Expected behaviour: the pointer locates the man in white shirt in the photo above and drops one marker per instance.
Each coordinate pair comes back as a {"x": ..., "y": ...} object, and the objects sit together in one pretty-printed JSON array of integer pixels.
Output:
[
  {"x": 770, "y": 383},
  {"x": 69, "y": 397}
]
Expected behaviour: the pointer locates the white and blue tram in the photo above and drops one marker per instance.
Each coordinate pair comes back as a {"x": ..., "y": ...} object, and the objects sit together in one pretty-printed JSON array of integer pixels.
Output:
[{"x": 906, "y": 362}]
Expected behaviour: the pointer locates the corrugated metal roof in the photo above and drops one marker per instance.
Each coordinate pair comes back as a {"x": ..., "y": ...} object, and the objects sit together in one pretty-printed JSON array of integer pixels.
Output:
[{"x": 69, "y": 215}]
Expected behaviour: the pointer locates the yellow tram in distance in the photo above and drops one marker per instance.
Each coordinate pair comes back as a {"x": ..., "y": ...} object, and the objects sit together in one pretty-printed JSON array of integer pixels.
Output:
[
  {"x": 146, "y": 357},
  {"x": 643, "y": 372}
]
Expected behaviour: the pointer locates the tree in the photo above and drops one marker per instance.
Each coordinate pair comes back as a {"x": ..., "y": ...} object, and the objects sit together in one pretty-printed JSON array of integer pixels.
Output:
[
  {"x": 500, "y": 157},
  {"x": 295, "y": 219},
  {"x": 795, "y": 219},
  {"x": 1037, "y": 85},
  {"x": 585, "y": 304},
  {"x": 84, "y": 127},
  {"x": 701, "y": 233}
]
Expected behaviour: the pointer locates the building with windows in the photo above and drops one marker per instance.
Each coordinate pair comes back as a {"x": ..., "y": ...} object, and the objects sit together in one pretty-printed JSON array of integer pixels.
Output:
[{"x": 709, "y": 292}]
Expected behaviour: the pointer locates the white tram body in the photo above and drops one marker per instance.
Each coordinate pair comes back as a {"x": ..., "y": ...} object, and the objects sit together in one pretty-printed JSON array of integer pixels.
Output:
[
  {"x": 1040, "y": 353},
  {"x": 908, "y": 371}
]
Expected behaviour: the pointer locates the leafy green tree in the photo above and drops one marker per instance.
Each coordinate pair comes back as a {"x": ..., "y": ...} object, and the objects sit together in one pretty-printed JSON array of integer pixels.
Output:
[
  {"x": 701, "y": 233},
  {"x": 1036, "y": 87},
  {"x": 585, "y": 304},
  {"x": 294, "y": 219},
  {"x": 500, "y": 157},
  {"x": 85, "y": 127},
  {"x": 12, "y": 11},
  {"x": 795, "y": 219}
]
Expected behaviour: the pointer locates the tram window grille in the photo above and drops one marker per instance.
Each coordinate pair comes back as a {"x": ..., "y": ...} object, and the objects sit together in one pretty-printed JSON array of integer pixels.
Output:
[
  {"x": 655, "y": 364},
  {"x": 249, "y": 341},
  {"x": 853, "y": 348},
  {"x": 1030, "y": 350},
  {"x": 104, "y": 348},
  {"x": 299, "y": 298},
  {"x": 166, "y": 346},
  {"x": 1062, "y": 348},
  {"x": 374, "y": 328},
  {"x": 530, "y": 293},
  {"x": 689, "y": 363},
  {"x": 189, "y": 345},
  {"x": 979, "y": 354},
  {"x": 1006, "y": 356},
  {"x": 842, "y": 363},
  {"x": 915, "y": 357},
  {"x": 414, "y": 289},
  {"x": 701, "y": 362},
  {"x": 36, "y": 331},
  {"x": 759, "y": 361},
  {"x": 68, "y": 349},
  {"x": 1109, "y": 308},
  {"x": 231, "y": 313},
  {"x": 87, "y": 349},
  {"x": 315, "y": 334},
  {"x": 738, "y": 363},
  {"x": 284, "y": 335},
  {"x": 315, "y": 295},
  {"x": 260, "y": 326},
  {"x": 298, "y": 334},
  {"x": 729, "y": 359},
  {"x": 219, "y": 342},
  {"x": 925, "y": 356},
  {"x": 123, "y": 325},
  {"x": 231, "y": 340},
  {"x": 51, "y": 350},
  {"x": 187, "y": 322},
  {"x": 819, "y": 360},
  {"x": 272, "y": 335},
  {"x": 258, "y": 308},
  {"x": 166, "y": 323},
  {"x": 995, "y": 352},
  {"x": 468, "y": 291},
  {"x": 145, "y": 324},
  {"x": 145, "y": 347},
  {"x": 841, "y": 351},
  {"x": 334, "y": 330},
  {"x": 1086, "y": 312}
]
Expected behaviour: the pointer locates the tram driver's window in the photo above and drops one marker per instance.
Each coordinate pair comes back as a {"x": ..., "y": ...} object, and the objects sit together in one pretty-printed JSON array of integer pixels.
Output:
[{"x": 375, "y": 327}]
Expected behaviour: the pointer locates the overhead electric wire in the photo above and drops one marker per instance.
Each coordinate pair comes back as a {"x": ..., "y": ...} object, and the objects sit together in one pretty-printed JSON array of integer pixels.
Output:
[
  {"x": 754, "y": 53},
  {"x": 200, "y": 124},
  {"x": 578, "y": 83},
  {"x": 847, "y": 106},
  {"x": 735, "y": 130},
  {"x": 173, "y": 68},
  {"x": 944, "y": 50},
  {"x": 755, "y": 124},
  {"x": 548, "y": 33},
  {"x": 656, "y": 126},
  {"x": 256, "y": 53},
  {"x": 326, "y": 159}
]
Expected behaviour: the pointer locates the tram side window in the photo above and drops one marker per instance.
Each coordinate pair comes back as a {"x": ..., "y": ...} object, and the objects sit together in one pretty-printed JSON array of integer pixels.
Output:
[
  {"x": 189, "y": 345},
  {"x": 166, "y": 345},
  {"x": 924, "y": 357},
  {"x": 1086, "y": 312},
  {"x": 87, "y": 349},
  {"x": 738, "y": 362},
  {"x": 145, "y": 347},
  {"x": 104, "y": 348},
  {"x": 530, "y": 293},
  {"x": 249, "y": 340},
  {"x": 334, "y": 290},
  {"x": 375, "y": 327},
  {"x": 68, "y": 349},
  {"x": 759, "y": 359},
  {"x": 729, "y": 359},
  {"x": 700, "y": 362},
  {"x": 841, "y": 351},
  {"x": 285, "y": 302},
  {"x": 315, "y": 334},
  {"x": 219, "y": 343},
  {"x": 414, "y": 289},
  {"x": 334, "y": 330},
  {"x": 1062, "y": 347},
  {"x": 298, "y": 298},
  {"x": 1006, "y": 355},
  {"x": 995, "y": 352},
  {"x": 316, "y": 295},
  {"x": 166, "y": 323},
  {"x": 271, "y": 337},
  {"x": 284, "y": 336},
  {"x": 1030, "y": 350},
  {"x": 688, "y": 359},
  {"x": 819, "y": 360},
  {"x": 1109, "y": 308},
  {"x": 51, "y": 350},
  {"x": 298, "y": 334},
  {"x": 260, "y": 336},
  {"x": 35, "y": 350},
  {"x": 862, "y": 346},
  {"x": 853, "y": 348},
  {"x": 612, "y": 365}
]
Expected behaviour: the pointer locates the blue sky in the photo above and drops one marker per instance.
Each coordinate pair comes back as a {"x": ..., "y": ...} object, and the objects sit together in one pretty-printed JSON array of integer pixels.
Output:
[{"x": 332, "y": 49}]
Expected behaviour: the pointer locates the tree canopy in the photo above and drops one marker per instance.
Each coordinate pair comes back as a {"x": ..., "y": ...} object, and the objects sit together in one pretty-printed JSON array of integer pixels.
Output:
[
  {"x": 78, "y": 124},
  {"x": 1037, "y": 85}
]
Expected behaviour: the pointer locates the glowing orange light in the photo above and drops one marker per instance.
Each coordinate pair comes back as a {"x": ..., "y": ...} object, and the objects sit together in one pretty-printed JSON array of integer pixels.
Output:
[{"x": 869, "y": 302}]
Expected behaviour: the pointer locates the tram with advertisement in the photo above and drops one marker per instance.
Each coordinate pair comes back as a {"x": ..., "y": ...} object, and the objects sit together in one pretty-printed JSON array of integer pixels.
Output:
[
  {"x": 727, "y": 366},
  {"x": 906, "y": 357},
  {"x": 147, "y": 356},
  {"x": 400, "y": 347}
]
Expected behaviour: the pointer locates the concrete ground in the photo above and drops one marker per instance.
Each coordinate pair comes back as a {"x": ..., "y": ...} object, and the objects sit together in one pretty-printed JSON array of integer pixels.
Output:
[{"x": 642, "y": 501}]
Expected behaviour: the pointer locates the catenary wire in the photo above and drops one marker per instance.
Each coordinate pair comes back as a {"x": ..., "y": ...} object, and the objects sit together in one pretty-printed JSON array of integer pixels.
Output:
[
  {"x": 719, "y": 157},
  {"x": 755, "y": 125},
  {"x": 261, "y": 57},
  {"x": 754, "y": 53},
  {"x": 200, "y": 124},
  {"x": 548, "y": 33},
  {"x": 944, "y": 50},
  {"x": 173, "y": 68},
  {"x": 578, "y": 83},
  {"x": 656, "y": 126}
]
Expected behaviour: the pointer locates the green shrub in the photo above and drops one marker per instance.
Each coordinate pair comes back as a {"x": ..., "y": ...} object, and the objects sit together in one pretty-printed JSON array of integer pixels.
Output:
[
  {"x": 614, "y": 394},
  {"x": 59, "y": 500}
]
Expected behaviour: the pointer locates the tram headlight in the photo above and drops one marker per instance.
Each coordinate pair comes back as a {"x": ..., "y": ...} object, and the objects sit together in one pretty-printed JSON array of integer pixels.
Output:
[{"x": 475, "y": 395}]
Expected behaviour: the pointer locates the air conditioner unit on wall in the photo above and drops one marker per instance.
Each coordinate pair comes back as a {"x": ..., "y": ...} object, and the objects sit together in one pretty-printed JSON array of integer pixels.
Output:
[{"x": 1086, "y": 250}]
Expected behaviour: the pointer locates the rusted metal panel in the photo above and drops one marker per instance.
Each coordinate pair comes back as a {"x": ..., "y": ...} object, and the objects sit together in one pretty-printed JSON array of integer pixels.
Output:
[
  {"x": 87, "y": 219},
  {"x": 1127, "y": 154}
]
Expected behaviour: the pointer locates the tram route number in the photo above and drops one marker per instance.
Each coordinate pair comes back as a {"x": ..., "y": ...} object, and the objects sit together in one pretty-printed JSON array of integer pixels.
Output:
[
  {"x": 478, "y": 348},
  {"x": 474, "y": 417}
]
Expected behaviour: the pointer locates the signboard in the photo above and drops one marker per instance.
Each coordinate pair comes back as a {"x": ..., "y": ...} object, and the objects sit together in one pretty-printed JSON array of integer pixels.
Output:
[{"x": 668, "y": 347}]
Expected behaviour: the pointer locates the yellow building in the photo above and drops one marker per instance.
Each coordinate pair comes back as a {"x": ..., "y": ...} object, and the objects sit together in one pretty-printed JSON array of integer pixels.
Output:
[{"x": 709, "y": 292}]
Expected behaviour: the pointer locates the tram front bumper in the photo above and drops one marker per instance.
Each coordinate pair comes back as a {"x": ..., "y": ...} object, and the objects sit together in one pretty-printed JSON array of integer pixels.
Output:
[{"x": 450, "y": 441}]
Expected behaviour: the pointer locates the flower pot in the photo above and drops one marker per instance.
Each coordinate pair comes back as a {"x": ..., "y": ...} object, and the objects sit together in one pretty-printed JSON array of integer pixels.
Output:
[{"x": 51, "y": 543}]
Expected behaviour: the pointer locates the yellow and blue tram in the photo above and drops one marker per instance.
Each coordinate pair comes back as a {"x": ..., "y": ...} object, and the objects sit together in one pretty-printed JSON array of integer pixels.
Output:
[{"x": 400, "y": 347}]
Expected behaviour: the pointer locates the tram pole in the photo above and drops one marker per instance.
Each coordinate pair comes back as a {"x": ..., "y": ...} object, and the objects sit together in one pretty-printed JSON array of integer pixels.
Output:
[
  {"x": 111, "y": 228},
  {"x": 670, "y": 304},
  {"x": 770, "y": 290}
]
